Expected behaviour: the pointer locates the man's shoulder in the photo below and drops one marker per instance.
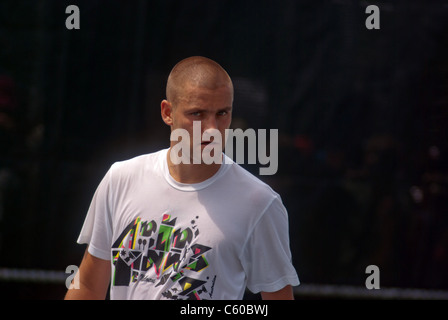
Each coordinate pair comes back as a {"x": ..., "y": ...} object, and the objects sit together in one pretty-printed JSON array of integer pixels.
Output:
[
  {"x": 137, "y": 164},
  {"x": 250, "y": 182},
  {"x": 251, "y": 194}
]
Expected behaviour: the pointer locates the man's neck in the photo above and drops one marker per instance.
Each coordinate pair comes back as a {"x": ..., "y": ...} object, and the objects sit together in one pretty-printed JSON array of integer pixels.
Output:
[{"x": 191, "y": 173}]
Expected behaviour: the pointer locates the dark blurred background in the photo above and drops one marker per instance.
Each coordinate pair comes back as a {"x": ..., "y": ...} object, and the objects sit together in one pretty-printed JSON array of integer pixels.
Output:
[{"x": 362, "y": 118}]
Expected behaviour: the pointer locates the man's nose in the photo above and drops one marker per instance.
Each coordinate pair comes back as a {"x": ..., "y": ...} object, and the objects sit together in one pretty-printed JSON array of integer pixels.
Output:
[{"x": 209, "y": 123}]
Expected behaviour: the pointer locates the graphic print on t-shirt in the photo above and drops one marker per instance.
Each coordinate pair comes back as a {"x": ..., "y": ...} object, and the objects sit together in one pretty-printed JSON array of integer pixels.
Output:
[{"x": 158, "y": 252}]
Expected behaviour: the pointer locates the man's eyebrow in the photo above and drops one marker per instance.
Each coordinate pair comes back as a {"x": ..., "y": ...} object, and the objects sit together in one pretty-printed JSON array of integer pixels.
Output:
[
  {"x": 194, "y": 109},
  {"x": 201, "y": 109},
  {"x": 228, "y": 108}
]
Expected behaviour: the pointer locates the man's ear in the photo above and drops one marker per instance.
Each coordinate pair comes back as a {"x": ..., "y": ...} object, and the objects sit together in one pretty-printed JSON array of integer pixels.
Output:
[{"x": 166, "y": 110}]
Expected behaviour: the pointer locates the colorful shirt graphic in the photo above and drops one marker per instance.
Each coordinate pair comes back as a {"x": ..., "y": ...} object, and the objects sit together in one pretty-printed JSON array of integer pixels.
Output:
[{"x": 158, "y": 253}]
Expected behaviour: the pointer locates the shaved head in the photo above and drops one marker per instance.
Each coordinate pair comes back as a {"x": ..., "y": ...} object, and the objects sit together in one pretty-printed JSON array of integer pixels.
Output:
[{"x": 197, "y": 72}]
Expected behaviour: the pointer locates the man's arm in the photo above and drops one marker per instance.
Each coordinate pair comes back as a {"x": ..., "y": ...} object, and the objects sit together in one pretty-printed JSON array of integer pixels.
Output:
[
  {"x": 94, "y": 278},
  {"x": 282, "y": 294}
]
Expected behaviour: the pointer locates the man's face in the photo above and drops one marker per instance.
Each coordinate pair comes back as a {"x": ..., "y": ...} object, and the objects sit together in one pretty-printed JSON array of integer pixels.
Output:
[{"x": 211, "y": 107}]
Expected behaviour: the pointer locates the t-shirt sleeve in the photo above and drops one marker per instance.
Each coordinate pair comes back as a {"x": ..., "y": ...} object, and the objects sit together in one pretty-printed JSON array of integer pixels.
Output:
[
  {"x": 266, "y": 256},
  {"x": 97, "y": 228}
]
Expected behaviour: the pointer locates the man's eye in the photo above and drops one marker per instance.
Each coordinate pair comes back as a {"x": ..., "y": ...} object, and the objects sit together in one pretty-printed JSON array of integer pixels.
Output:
[
  {"x": 222, "y": 113},
  {"x": 196, "y": 113}
]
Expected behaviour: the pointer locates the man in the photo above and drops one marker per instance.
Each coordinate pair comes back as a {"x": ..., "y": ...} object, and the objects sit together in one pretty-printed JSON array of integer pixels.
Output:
[{"x": 164, "y": 229}]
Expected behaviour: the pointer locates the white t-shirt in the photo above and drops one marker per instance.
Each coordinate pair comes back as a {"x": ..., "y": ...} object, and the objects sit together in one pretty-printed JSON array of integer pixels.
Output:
[{"x": 168, "y": 240}]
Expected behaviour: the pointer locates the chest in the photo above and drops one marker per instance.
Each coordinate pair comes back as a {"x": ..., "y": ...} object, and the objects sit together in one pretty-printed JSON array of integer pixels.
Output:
[{"x": 178, "y": 226}]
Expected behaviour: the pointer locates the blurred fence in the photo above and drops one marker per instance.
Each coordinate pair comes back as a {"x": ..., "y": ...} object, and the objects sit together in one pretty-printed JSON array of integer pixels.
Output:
[{"x": 304, "y": 291}]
